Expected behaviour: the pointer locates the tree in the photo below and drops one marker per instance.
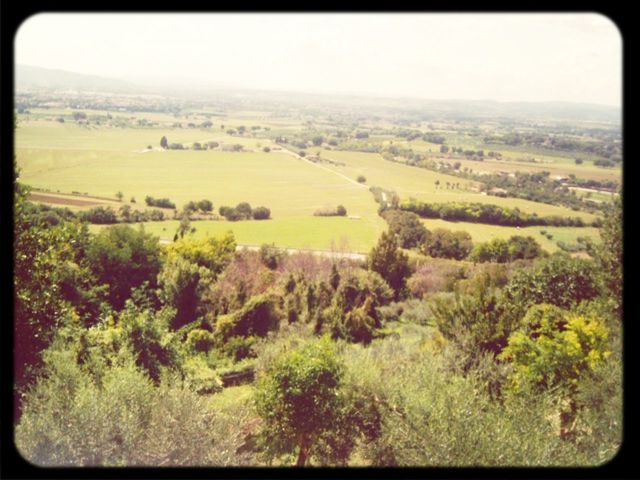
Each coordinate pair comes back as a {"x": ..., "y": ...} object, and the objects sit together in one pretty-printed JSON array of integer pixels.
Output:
[
  {"x": 361, "y": 179},
  {"x": 261, "y": 213},
  {"x": 244, "y": 210},
  {"x": 437, "y": 184},
  {"x": 119, "y": 196},
  {"x": 391, "y": 263},
  {"x": 341, "y": 211},
  {"x": 124, "y": 258},
  {"x": 317, "y": 141},
  {"x": 609, "y": 254},
  {"x": 555, "y": 349},
  {"x": 447, "y": 244},
  {"x": 298, "y": 401},
  {"x": 164, "y": 143},
  {"x": 444, "y": 149},
  {"x": 205, "y": 205},
  {"x": 407, "y": 226}
]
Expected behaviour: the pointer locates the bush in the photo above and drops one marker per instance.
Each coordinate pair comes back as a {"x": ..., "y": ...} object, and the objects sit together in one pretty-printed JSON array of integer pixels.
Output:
[
  {"x": 69, "y": 420},
  {"x": 99, "y": 215},
  {"x": 257, "y": 317},
  {"x": 199, "y": 377},
  {"x": 407, "y": 226},
  {"x": 297, "y": 399},
  {"x": 261, "y": 213},
  {"x": 200, "y": 340},
  {"x": 159, "y": 202},
  {"x": 447, "y": 244},
  {"x": 361, "y": 179}
]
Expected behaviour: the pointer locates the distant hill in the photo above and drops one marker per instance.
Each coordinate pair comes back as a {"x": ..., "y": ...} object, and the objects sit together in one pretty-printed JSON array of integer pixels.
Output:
[{"x": 37, "y": 77}]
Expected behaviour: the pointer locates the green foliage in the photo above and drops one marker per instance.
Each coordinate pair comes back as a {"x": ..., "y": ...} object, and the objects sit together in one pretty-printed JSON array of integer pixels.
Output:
[
  {"x": 559, "y": 280},
  {"x": 390, "y": 262},
  {"x": 147, "y": 332},
  {"x": 124, "y": 258},
  {"x": 352, "y": 314},
  {"x": 407, "y": 226},
  {"x": 200, "y": 340},
  {"x": 213, "y": 253},
  {"x": 555, "y": 349},
  {"x": 485, "y": 213},
  {"x": 447, "y": 244},
  {"x": 609, "y": 254},
  {"x": 52, "y": 284},
  {"x": 297, "y": 400},
  {"x": 244, "y": 210},
  {"x": 200, "y": 377},
  {"x": 123, "y": 420},
  {"x": 261, "y": 213},
  {"x": 271, "y": 256},
  {"x": 181, "y": 284},
  {"x": 257, "y": 317},
  {"x": 475, "y": 321},
  {"x": 498, "y": 250},
  {"x": 430, "y": 416}
]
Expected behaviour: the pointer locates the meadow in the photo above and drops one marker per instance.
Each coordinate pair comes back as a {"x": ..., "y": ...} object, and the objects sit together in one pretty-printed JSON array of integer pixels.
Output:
[
  {"x": 101, "y": 161},
  {"x": 482, "y": 233}
]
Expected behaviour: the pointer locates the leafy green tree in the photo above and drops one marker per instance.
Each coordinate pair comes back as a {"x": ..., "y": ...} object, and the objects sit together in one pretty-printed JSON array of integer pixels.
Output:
[
  {"x": 119, "y": 196},
  {"x": 164, "y": 143},
  {"x": 556, "y": 349},
  {"x": 447, "y": 244},
  {"x": 124, "y": 258},
  {"x": 609, "y": 254},
  {"x": 261, "y": 213},
  {"x": 390, "y": 262},
  {"x": 297, "y": 397},
  {"x": 407, "y": 226},
  {"x": 521, "y": 247},
  {"x": 244, "y": 210},
  {"x": 181, "y": 282},
  {"x": 205, "y": 205}
]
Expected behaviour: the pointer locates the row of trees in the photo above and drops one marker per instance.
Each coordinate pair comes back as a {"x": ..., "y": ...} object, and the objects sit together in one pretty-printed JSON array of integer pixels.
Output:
[
  {"x": 486, "y": 213},
  {"x": 458, "y": 245},
  {"x": 243, "y": 211}
]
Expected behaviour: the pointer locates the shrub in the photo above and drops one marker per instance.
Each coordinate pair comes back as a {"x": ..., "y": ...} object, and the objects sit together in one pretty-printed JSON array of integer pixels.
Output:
[
  {"x": 447, "y": 244},
  {"x": 361, "y": 179},
  {"x": 200, "y": 340},
  {"x": 199, "y": 377},
  {"x": 257, "y": 317},
  {"x": 297, "y": 399},
  {"x": 124, "y": 420},
  {"x": 261, "y": 213},
  {"x": 407, "y": 226}
]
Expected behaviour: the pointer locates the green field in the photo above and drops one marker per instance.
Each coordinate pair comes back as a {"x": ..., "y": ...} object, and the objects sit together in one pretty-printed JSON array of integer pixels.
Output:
[
  {"x": 101, "y": 161},
  {"x": 338, "y": 234},
  {"x": 408, "y": 181},
  {"x": 482, "y": 233}
]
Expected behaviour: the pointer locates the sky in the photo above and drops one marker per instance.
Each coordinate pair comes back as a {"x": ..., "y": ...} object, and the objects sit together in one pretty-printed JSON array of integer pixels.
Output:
[{"x": 481, "y": 56}]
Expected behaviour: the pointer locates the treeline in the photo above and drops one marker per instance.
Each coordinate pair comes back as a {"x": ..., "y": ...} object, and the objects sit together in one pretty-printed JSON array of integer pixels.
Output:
[
  {"x": 487, "y": 213},
  {"x": 457, "y": 245},
  {"x": 243, "y": 211},
  {"x": 339, "y": 211}
]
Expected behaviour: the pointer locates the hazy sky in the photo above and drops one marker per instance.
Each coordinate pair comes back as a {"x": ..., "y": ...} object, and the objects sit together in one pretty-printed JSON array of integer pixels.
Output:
[{"x": 512, "y": 57}]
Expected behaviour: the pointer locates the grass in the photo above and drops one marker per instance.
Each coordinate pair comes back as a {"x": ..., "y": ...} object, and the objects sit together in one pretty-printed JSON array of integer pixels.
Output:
[
  {"x": 482, "y": 233},
  {"x": 102, "y": 161},
  {"x": 315, "y": 233},
  {"x": 230, "y": 396},
  {"x": 419, "y": 183}
]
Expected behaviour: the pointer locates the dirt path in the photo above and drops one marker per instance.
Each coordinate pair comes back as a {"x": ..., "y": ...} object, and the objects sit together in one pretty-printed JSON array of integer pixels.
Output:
[{"x": 284, "y": 150}]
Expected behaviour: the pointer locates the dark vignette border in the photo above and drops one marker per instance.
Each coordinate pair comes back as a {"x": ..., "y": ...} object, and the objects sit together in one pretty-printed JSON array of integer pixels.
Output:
[{"x": 12, "y": 465}]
